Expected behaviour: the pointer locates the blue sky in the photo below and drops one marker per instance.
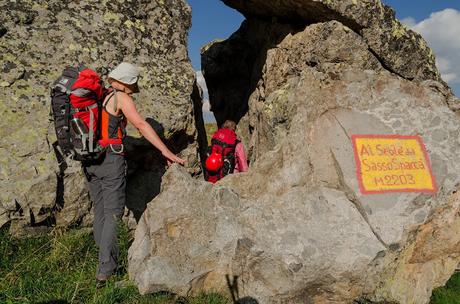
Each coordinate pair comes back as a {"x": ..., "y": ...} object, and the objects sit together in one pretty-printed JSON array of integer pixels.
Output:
[
  {"x": 211, "y": 19},
  {"x": 420, "y": 9},
  {"x": 438, "y": 21}
]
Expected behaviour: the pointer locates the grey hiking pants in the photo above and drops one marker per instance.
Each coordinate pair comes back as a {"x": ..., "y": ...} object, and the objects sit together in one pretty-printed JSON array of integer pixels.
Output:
[{"x": 107, "y": 185}]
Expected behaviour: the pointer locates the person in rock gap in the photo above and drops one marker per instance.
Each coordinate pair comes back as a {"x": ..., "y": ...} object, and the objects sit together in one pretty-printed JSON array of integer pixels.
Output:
[{"x": 226, "y": 154}]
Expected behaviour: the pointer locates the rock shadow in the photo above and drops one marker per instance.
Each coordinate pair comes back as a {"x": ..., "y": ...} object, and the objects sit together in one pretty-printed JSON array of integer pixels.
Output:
[
  {"x": 233, "y": 68},
  {"x": 232, "y": 285},
  {"x": 146, "y": 167},
  {"x": 197, "y": 98}
]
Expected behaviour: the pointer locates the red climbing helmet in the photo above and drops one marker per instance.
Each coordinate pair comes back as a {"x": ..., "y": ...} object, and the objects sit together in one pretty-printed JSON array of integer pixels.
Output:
[{"x": 214, "y": 162}]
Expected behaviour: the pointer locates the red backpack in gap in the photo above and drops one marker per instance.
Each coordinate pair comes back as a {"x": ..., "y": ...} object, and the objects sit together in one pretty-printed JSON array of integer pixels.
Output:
[
  {"x": 76, "y": 103},
  {"x": 223, "y": 145}
]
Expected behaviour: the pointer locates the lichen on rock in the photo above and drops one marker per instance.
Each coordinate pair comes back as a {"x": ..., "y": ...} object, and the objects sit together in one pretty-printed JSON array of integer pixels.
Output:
[
  {"x": 39, "y": 39},
  {"x": 400, "y": 49}
]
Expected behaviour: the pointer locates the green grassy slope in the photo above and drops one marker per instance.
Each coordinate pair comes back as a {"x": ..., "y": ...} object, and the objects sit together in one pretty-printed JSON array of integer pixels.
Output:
[
  {"x": 210, "y": 129},
  {"x": 61, "y": 269},
  {"x": 449, "y": 294}
]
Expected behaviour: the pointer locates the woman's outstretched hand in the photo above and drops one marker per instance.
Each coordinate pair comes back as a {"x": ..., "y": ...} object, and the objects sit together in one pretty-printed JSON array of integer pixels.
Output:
[
  {"x": 172, "y": 158},
  {"x": 126, "y": 105}
]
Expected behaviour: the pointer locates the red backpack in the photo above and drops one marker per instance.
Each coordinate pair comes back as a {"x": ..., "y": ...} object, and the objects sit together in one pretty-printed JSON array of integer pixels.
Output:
[
  {"x": 223, "y": 143},
  {"x": 76, "y": 99}
]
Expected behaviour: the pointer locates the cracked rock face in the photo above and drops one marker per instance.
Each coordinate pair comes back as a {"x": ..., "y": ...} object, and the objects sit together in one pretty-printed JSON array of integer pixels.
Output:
[
  {"x": 296, "y": 228},
  {"x": 37, "y": 40},
  {"x": 401, "y": 50},
  {"x": 398, "y": 49}
]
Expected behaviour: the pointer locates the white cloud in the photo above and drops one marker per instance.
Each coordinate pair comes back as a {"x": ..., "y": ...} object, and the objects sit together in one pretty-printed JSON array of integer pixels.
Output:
[
  {"x": 207, "y": 114},
  {"x": 442, "y": 32},
  {"x": 409, "y": 21}
]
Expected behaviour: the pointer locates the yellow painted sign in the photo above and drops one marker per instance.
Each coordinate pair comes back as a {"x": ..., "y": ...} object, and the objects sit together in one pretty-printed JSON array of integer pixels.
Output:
[{"x": 392, "y": 163}]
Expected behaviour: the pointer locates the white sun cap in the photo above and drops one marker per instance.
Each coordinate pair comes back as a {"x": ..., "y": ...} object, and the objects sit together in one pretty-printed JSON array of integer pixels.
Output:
[{"x": 126, "y": 73}]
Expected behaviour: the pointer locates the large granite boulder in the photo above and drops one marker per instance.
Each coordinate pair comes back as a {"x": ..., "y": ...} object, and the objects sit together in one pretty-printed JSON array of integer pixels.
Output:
[
  {"x": 297, "y": 228},
  {"x": 37, "y": 40},
  {"x": 398, "y": 49}
]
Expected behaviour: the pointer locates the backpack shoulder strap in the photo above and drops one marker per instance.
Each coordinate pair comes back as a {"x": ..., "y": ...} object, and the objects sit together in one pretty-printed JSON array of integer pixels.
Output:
[
  {"x": 115, "y": 101},
  {"x": 215, "y": 141},
  {"x": 113, "y": 94}
]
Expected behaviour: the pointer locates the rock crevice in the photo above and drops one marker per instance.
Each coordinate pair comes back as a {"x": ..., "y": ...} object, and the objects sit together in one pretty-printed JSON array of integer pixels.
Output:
[{"x": 352, "y": 197}]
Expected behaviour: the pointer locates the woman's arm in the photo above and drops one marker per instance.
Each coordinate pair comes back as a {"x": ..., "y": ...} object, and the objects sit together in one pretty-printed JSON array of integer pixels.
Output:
[{"x": 127, "y": 106}]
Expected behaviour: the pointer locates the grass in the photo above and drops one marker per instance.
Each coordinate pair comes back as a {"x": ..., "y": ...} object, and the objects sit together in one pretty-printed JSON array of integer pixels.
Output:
[
  {"x": 61, "y": 269},
  {"x": 210, "y": 129},
  {"x": 449, "y": 294}
]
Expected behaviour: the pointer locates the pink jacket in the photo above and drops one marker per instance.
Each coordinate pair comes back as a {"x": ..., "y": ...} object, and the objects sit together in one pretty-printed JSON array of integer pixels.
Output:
[{"x": 241, "y": 161}]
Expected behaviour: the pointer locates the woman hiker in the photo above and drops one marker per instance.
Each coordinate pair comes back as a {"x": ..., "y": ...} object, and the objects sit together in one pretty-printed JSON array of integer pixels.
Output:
[{"x": 107, "y": 178}]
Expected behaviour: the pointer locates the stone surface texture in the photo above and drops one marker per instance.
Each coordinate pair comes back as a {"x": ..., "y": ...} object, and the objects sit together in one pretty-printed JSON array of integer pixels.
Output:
[
  {"x": 38, "y": 39},
  {"x": 398, "y": 49},
  {"x": 296, "y": 228},
  {"x": 401, "y": 50}
]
